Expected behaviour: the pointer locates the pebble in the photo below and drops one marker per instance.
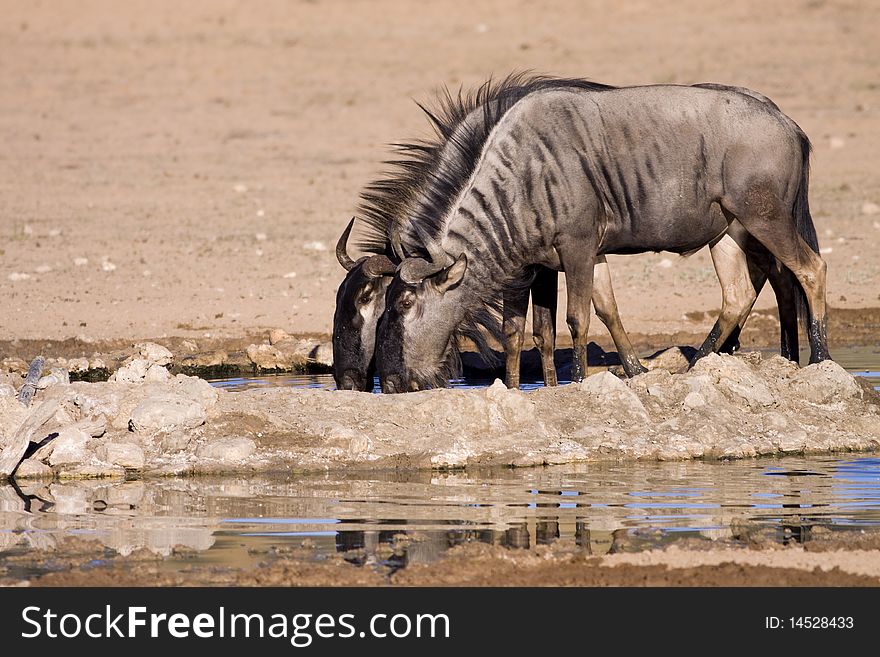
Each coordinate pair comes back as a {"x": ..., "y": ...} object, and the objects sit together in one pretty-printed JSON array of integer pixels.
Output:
[
  {"x": 228, "y": 449},
  {"x": 127, "y": 455},
  {"x": 166, "y": 412}
]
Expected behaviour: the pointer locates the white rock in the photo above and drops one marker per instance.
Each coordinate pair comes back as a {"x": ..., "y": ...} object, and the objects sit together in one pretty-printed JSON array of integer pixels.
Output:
[
  {"x": 80, "y": 262},
  {"x": 611, "y": 392},
  {"x": 672, "y": 360},
  {"x": 277, "y": 335},
  {"x": 792, "y": 441},
  {"x": 228, "y": 450},
  {"x": 132, "y": 372},
  {"x": 129, "y": 456},
  {"x": 825, "y": 383},
  {"x": 154, "y": 353},
  {"x": 157, "y": 373},
  {"x": 734, "y": 377},
  {"x": 18, "y": 276},
  {"x": 196, "y": 389},
  {"x": 315, "y": 246},
  {"x": 870, "y": 208},
  {"x": 694, "y": 400},
  {"x": 166, "y": 412},
  {"x": 70, "y": 447},
  {"x": 33, "y": 469}
]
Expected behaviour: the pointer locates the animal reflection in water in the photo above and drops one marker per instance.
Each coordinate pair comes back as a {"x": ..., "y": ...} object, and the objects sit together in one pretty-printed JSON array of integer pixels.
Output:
[
  {"x": 538, "y": 175},
  {"x": 398, "y": 549}
]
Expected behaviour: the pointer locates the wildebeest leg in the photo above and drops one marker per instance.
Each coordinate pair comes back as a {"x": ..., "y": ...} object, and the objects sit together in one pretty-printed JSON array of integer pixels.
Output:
[
  {"x": 606, "y": 310},
  {"x": 758, "y": 274},
  {"x": 516, "y": 305},
  {"x": 731, "y": 344},
  {"x": 738, "y": 292},
  {"x": 783, "y": 283},
  {"x": 544, "y": 300},
  {"x": 763, "y": 267},
  {"x": 578, "y": 262},
  {"x": 763, "y": 215}
]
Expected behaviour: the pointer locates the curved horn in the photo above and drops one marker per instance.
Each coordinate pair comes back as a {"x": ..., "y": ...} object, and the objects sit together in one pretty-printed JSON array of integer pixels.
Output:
[
  {"x": 438, "y": 256},
  {"x": 396, "y": 246},
  {"x": 342, "y": 250},
  {"x": 415, "y": 270},
  {"x": 379, "y": 265}
]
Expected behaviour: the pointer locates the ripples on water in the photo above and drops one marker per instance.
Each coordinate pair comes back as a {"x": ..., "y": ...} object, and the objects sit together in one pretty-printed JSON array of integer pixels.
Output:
[{"x": 412, "y": 518}]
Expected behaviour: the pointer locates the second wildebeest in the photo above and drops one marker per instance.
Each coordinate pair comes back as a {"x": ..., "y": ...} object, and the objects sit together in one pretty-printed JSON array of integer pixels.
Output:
[
  {"x": 360, "y": 297},
  {"x": 564, "y": 176}
]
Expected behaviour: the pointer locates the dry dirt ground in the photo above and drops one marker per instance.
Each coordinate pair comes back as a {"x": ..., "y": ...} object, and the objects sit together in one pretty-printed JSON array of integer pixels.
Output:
[{"x": 183, "y": 169}]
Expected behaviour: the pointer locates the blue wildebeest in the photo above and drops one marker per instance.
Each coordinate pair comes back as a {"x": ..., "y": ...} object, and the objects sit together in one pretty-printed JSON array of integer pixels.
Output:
[
  {"x": 562, "y": 176},
  {"x": 360, "y": 297}
]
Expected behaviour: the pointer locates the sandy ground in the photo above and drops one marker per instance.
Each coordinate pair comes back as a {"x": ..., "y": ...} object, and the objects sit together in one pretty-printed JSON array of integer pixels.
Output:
[{"x": 183, "y": 169}]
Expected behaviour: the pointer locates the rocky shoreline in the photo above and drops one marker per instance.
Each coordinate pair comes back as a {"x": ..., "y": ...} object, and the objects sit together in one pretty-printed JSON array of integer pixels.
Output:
[{"x": 145, "y": 421}]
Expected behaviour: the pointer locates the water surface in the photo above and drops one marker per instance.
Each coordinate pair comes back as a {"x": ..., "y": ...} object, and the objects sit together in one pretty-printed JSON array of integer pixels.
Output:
[
  {"x": 861, "y": 361},
  {"x": 397, "y": 519}
]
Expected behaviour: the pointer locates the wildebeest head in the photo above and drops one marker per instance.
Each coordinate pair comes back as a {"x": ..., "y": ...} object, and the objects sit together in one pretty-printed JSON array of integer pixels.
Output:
[
  {"x": 423, "y": 307},
  {"x": 360, "y": 301}
]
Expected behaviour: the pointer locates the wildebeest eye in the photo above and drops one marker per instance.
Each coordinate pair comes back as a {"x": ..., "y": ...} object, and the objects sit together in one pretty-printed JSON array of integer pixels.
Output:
[
  {"x": 365, "y": 299},
  {"x": 406, "y": 303}
]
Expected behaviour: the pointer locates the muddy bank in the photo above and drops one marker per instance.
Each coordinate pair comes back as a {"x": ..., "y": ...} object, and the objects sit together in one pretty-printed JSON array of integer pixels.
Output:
[
  {"x": 274, "y": 350},
  {"x": 145, "y": 421},
  {"x": 847, "y": 561}
]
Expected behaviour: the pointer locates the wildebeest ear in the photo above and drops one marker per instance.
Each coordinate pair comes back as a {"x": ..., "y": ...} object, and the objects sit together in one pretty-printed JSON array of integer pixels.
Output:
[
  {"x": 452, "y": 275},
  {"x": 379, "y": 265}
]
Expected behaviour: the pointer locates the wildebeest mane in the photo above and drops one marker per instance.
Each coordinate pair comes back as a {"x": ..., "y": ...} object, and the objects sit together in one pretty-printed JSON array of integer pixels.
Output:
[{"x": 427, "y": 175}]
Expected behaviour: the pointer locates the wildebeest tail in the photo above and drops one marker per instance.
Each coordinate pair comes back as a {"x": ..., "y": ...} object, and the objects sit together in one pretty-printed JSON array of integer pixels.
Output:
[{"x": 804, "y": 221}]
